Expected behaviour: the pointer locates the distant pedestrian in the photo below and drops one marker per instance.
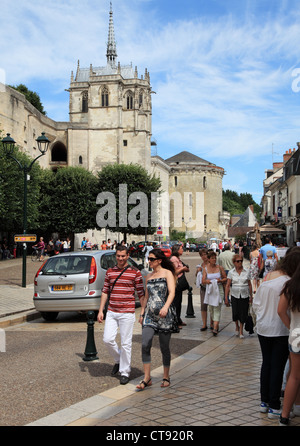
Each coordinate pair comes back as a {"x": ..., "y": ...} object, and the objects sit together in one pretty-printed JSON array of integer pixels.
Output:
[
  {"x": 213, "y": 278},
  {"x": 199, "y": 274},
  {"x": 239, "y": 287}
]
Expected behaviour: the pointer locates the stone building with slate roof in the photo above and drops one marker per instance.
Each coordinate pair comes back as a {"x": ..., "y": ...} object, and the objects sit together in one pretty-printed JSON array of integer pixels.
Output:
[{"x": 110, "y": 111}]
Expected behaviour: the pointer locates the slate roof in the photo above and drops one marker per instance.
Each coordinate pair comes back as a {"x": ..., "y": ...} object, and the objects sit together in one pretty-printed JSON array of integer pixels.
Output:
[{"x": 187, "y": 157}]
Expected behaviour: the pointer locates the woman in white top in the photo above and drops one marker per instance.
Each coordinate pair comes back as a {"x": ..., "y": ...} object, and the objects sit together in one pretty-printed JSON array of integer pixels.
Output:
[
  {"x": 239, "y": 286},
  {"x": 213, "y": 277},
  {"x": 289, "y": 313},
  {"x": 272, "y": 333}
]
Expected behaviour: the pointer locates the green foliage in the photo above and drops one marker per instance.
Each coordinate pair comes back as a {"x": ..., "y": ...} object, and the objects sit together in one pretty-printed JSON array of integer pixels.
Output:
[
  {"x": 68, "y": 201},
  {"x": 237, "y": 204},
  {"x": 12, "y": 192},
  {"x": 31, "y": 97},
  {"x": 137, "y": 180}
]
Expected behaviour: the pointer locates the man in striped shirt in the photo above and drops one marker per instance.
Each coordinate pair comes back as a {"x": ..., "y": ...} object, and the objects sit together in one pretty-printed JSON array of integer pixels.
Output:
[{"x": 121, "y": 311}]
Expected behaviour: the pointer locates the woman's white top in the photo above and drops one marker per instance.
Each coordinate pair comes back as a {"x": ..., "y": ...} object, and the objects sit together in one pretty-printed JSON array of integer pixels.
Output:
[
  {"x": 265, "y": 305},
  {"x": 213, "y": 291},
  {"x": 239, "y": 283},
  {"x": 294, "y": 338}
]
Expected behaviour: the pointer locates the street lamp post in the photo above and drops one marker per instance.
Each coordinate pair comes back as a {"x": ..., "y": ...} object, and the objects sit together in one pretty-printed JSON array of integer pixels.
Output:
[{"x": 8, "y": 145}]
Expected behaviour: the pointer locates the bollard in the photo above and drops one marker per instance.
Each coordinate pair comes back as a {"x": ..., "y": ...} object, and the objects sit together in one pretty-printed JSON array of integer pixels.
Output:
[
  {"x": 90, "y": 353},
  {"x": 190, "y": 309}
]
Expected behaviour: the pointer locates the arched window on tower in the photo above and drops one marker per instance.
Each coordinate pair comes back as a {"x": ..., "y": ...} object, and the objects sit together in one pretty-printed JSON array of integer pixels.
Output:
[
  {"x": 85, "y": 98},
  {"x": 104, "y": 97},
  {"x": 141, "y": 99},
  {"x": 129, "y": 101},
  {"x": 80, "y": 160}
]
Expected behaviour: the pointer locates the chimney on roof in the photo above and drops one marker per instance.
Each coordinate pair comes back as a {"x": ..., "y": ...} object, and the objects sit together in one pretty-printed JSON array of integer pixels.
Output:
[{"x": 287, "y": 155}]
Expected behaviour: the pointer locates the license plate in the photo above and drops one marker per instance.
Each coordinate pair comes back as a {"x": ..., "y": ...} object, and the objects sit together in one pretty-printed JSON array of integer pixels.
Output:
[{"x": 62, "y": 287}]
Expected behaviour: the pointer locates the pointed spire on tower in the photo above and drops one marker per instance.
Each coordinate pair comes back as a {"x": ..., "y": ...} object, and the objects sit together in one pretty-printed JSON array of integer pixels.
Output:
[{"x": 111, "y": 53}]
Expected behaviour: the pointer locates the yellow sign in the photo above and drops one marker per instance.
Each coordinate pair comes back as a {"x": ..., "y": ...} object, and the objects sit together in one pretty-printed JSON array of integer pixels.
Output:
[{"x": 25, "y": 238}]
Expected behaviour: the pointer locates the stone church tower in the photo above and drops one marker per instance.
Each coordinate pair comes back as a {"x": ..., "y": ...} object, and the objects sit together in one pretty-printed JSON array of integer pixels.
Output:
[{"x": 110, "y": 113}]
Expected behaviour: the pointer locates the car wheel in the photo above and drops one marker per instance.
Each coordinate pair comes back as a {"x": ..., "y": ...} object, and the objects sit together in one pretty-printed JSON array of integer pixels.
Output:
[{"x": 49, "y": 315}]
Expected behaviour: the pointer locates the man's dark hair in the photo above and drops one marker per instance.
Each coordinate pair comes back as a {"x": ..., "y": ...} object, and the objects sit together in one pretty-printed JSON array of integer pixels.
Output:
[{"x": 122, "y": 248}]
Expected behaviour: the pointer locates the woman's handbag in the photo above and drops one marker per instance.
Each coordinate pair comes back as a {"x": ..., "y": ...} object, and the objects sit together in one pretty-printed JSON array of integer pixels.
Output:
[{"x": 182, "y": 283}]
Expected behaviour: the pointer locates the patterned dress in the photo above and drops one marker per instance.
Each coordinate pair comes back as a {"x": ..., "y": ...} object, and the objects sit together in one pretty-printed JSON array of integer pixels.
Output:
[
  {"x": 157, "y": 296},
  {"x": 254, "y": 268}
]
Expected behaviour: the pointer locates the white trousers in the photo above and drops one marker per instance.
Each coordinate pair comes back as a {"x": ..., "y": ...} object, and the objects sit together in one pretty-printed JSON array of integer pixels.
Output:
[{"x": 122, "y": 355}]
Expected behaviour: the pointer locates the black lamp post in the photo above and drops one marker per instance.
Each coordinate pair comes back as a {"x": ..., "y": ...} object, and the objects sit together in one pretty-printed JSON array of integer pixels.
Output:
[{"x": 8, "y": 145}]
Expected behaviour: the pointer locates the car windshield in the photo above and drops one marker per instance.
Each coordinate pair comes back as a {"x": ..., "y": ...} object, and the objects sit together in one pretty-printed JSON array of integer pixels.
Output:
[{"x": 67, "y": 265}]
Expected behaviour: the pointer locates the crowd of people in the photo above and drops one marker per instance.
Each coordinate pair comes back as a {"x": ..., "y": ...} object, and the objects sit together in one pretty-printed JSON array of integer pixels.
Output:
[
  {"x": 270, "y": 288},
  {"x": 268, "y": 291}
]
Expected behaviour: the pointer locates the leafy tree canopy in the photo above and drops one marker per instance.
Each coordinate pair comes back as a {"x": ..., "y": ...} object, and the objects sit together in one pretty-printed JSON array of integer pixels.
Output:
[
  {"x": 12, "y": 192},
  {"x": 237, "y": 204},
  {"x": 138, "y": 182},
  {"x": 68, "y": 201},
  {"x": 31, "y": 97}
]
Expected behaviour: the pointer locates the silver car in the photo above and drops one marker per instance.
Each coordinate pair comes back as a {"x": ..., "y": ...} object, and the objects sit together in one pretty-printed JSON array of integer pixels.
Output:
[{"x": 73, "y": 281}]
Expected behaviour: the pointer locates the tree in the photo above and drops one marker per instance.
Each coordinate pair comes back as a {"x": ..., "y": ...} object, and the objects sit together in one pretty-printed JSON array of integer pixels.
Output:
[
  {"x": 128, "y": 194},
  {"x": 68, "y": 201},
  {"x": 237, "y": 204},
  {"x": 12, "y": 192},
  {"x": 31, "y": 97}
]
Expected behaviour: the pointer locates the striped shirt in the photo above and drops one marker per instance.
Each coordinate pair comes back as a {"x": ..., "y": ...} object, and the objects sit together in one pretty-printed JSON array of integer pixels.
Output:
[{"x": 122, "y": 298}]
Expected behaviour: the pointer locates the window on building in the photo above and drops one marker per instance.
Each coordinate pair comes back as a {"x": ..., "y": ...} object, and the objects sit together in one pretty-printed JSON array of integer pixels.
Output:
[
  {"x": 104, "y": 97},
  {"x": 204, "y": 183},
  {"x": 125, "y": 142},
  {"x": 141, "y": 99},
  {"x": 85, "y": 98},
  {"x": 80, "y": 160},
  {"x": 175, "y": 179},
  {"x": 205, "y": 219},
  {"x": 129, "y": 101}
]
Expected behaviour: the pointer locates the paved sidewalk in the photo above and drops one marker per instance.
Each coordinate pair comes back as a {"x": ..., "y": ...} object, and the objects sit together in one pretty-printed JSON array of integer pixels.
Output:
[{"x": 214, "y": 384}]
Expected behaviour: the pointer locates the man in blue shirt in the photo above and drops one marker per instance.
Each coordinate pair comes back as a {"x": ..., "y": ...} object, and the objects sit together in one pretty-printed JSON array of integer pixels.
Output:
[{"x": 268, "y": 247}]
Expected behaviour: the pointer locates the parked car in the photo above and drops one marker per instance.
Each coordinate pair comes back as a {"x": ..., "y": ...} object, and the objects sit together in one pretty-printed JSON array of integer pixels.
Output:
[
  {"x": 165, "y": 249},
  {"x": 73, "y": 281}
]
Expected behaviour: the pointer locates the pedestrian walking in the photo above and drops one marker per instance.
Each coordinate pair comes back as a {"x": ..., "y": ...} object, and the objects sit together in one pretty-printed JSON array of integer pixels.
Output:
[
  {"x": 289, "y": 313},
  {"x": 120, "y": 284},
  {"x": 272, "y": 333},
  {"x": 255, "y": 261},
  {"x": 157, "y": 315},
  {"x": 239, "y": 287},
  {"x": 180, "y": 270},
  {"x": 199, "y": 273},
  {"x": 213, "y": 278}
]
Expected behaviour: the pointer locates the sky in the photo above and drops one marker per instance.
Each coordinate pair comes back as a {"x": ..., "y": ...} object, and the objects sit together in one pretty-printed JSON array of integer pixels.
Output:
[{"x": 226, "y": 73}]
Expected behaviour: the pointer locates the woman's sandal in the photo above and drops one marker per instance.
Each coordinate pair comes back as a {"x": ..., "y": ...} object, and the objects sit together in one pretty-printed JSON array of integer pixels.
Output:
[
  {"x": 144, "y": 384},
  {"x": 165, "y": 380}
]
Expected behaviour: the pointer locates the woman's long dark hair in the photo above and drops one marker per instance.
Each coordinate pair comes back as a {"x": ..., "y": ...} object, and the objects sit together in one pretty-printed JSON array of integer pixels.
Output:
[
  {"x": 291, "y": 290},
  {"x": 175, "y": 249},
  {"x": 290, "y": 264},
  {"x": 165, "y": 261}
]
